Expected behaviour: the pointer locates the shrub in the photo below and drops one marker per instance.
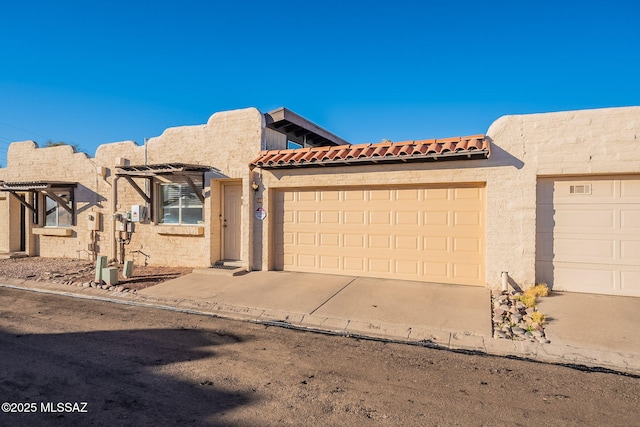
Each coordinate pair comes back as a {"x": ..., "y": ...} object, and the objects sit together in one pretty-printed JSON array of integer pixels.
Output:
[
  {"x": 528, "y": 299},
  {"x": 538, "y": 317},
  {"x": 539, "y": 290}
]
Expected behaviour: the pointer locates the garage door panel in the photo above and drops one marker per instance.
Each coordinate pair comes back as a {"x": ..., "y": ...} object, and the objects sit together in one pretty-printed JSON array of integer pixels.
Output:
[
  {"x": 384, "y": 232},
  {"x": 353, "y": 240},
  {"x": 308, "y": 239},
  {"x": 330, "y": 262},
  {"x": 409, "y": 194},
  {"x": 407, "y": 243},
  {"x": 354, "y": 195},
  {"x": 588, "y": 234},
  {"x": 467, "y": 218},
  {"x": 467, "y": 244},
  {"x": 436, "y": 194},
  {"x": 307, "y": 196},
  {"x": 435, "y": 244},
  {"x": 630, "y": 252},
  {"x": 407, "y": 218},
  {"x": 630, "y": 190},
  {"x": 630, "y": 220},
  {"x": 602, "y": 219},
  {"x": 630, "y": 281},
  {"x": 440, "y": 271},
  {"x": 330, "y": 217},
  {"x": 329, "y": 239},
  {"x": 353, "y": 217},
  {"x": 379, "y": 241},
  {"x": 408, "y": 268},
  {"x": 379, "y": 218},
  {"x": 354, "y": 265},
  {"x": 380, "y": 265},
  {"x": 471, "y": 193},
  {"x": 330, "y": 196},
  {"x": 584, "y": 249},
  {"x": 436, "y": 218},
  {"x": 585, "y": 278},
  {"x": 464, "y": 271}
]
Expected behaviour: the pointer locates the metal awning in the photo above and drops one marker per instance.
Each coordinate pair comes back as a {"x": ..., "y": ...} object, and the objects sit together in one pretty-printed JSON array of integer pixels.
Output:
[
  {"x": 35, "y": 185},
  {"x": 181, "y": 170},
  {"x": 45, "y": 187},
  {"x": 300, "y": 130},
  {"x": 143, "y": 171}
]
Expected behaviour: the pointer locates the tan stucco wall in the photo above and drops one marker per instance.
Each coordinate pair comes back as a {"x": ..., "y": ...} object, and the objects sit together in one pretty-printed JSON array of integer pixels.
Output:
[
  {"x": 227, "y": 142},
  {"x": 523, "y": 147},
  {"x": 602, "y": 141}
]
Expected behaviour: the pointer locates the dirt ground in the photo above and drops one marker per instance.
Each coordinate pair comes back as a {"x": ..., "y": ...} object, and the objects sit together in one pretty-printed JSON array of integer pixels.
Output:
[
  {"x": 143, "y": 366},
  {"x": 76, "y": 271}
]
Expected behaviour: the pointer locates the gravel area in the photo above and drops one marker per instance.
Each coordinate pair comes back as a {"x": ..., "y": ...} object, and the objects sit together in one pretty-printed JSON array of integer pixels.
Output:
[
  {"x": 82, "y": 272},
  {"x": 512, "y": 319}
]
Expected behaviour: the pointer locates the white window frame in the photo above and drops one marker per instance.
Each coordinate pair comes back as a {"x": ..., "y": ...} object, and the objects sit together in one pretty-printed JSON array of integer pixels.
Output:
[{"x": 184, "y": 189}]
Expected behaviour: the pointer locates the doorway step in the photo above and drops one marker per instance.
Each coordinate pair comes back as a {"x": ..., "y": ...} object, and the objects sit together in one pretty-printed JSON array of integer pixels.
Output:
[
  {"x": 223, "y": 268},
  {"x": 12, "y": 255}
]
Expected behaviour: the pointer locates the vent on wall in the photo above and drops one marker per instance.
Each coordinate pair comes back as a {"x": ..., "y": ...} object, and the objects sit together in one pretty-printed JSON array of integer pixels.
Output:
[{"x": 580, "y": 189}]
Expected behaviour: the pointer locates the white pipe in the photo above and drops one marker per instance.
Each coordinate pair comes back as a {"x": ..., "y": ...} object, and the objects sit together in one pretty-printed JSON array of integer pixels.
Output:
[
  {"x": 114, "y": 207},
  {"x": 505, "y": 281}
]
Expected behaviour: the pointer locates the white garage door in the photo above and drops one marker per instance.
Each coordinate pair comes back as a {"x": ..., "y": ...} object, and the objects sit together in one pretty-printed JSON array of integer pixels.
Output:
[
  {"x": 588, "y": 234},
  {"x": 431, "y": 234}
]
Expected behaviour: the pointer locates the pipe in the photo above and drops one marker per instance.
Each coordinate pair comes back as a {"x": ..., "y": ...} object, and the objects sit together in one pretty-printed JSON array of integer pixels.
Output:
[
  {"x": 505, "y": 281},
  {"x": 114, "y": 205}
]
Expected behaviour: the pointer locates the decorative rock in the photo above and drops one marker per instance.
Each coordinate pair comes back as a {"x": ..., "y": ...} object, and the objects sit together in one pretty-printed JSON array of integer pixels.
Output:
[
  {"x": 517, "y": 330},
  {"x": 512, "y": 319},
  {"x": 87, "y": 284}
]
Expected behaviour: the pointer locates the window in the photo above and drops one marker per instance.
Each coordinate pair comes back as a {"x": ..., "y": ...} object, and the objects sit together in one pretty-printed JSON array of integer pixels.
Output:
[
  {"x": 179, "y": 204},
  {"x": 56, "y": 215}
]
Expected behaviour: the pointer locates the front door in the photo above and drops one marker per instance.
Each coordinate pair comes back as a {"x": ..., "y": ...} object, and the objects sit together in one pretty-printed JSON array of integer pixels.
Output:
[
  {"x": 23, "y": 226},
  {"x": 232, "y": 221}
]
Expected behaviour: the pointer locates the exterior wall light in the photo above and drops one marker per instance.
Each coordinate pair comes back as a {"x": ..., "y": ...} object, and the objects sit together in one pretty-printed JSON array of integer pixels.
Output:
[{"x": 255, "y": 186}]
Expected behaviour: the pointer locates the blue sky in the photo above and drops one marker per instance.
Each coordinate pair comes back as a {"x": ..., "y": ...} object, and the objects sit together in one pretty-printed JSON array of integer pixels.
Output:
[{"x": 92, "y": 72}]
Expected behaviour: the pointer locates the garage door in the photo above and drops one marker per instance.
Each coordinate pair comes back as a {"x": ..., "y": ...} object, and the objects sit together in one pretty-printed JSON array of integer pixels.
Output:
[
  {"x": 431, "y": 234},
  {"x": 588, "y": 234}
]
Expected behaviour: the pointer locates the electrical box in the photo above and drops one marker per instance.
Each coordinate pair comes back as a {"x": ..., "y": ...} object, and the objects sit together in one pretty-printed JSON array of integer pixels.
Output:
[
  {"x": 93, "y": 221},
  {"x": 137, "y": 213}
]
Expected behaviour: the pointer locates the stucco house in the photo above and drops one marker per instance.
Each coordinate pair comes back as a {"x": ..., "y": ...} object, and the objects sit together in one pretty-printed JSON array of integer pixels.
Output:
[{"x": 551, "y": 198}]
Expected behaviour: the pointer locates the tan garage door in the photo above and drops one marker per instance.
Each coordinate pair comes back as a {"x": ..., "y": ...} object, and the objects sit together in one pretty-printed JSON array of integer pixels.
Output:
[
  {"x": 431, "y": 234},
  {"x": 588, "y": 234}
]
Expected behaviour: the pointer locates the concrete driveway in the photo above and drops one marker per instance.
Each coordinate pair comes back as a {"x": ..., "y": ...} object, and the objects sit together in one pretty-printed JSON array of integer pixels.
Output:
[{"x": 389, "y": 308}]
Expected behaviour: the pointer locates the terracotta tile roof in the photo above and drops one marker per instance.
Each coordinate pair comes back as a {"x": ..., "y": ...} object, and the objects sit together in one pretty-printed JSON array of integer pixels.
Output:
[{"x": 460, "y": 148}]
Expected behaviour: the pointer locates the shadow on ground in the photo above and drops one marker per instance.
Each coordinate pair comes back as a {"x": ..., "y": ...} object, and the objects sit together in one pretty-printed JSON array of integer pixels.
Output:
[{"x": 130, "y": 377}]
